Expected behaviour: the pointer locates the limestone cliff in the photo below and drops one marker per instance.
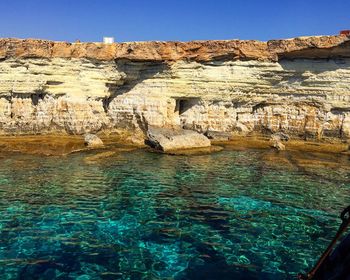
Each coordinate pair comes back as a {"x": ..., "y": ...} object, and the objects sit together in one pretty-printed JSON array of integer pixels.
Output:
[{"x": 300, "y": 86}]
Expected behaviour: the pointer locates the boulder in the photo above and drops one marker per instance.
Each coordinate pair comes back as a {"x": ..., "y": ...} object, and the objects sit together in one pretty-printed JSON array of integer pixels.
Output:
[
  {"x": 277, "y": 139},
  {"x": 280, "y": 136},
  {"x": 170, "y": 139},
  {"x": 241, "y": 128},
  {"x": 92, "y": 140}
]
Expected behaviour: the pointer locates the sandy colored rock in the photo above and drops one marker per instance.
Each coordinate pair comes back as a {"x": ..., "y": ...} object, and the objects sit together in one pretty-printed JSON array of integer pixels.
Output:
[
  {"x": 92, "y": 141},
  {"x": 218, "y": 135},
  {"x": 196, "y": 151},
  {"x": 234, "y": 87},
  {"x": 278, "y": 145},
  {"x": 258, "y": 142},
  {"x": 313, "y": 46},
  {"x": 170, "y": 139},
  {"x": 49, "y": 145},
  {"x": 100, "y": 156},
  {"x": 280, "y": 136}
]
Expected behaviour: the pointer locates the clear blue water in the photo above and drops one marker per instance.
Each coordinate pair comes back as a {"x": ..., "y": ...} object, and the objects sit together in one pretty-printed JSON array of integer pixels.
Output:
[{"x": 253, "y": 214}]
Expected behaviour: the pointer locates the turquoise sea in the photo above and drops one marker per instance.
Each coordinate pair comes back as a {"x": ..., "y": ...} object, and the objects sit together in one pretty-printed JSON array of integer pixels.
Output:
[{"x": 249, "y": 214}]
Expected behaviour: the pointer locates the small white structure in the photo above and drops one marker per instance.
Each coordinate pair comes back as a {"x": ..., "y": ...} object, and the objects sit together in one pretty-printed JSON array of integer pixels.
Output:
[{"x": 108, "y": 40}]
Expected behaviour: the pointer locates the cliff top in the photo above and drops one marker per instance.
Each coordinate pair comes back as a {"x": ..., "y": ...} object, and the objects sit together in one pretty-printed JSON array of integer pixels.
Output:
[{"x": 273, "y": 50}]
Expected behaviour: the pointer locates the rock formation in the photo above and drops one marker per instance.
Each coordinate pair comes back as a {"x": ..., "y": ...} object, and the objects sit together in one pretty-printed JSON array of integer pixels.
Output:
[
  {"x": 276, "y": 140},
  {"x": 169, "y": 139},
  {"x": 299, "y": 86},
  {"x": 92, "y": 141}
]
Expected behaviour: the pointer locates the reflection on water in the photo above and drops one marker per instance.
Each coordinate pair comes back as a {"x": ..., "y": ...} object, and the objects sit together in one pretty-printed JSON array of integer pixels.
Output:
[{"x": 138, "y": 215}]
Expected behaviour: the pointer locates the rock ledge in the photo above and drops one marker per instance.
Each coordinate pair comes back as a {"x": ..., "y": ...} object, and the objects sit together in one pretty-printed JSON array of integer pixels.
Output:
[{"x": 273, "y": 50}]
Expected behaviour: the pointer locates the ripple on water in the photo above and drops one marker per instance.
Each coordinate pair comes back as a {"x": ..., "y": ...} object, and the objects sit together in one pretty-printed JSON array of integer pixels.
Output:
[{"x": 230, "y": 215}]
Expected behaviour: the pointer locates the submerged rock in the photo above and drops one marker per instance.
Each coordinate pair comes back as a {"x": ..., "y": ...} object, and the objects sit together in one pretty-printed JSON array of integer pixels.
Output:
[
  {"x": 196, "y": 151},
  {"x": 99, "y": 156},
  {"x": 169, "y": 139},
  {"x": 92, "y": 140}
]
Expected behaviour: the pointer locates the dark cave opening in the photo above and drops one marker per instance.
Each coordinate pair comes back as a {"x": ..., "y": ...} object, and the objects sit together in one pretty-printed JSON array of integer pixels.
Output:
[{"x": 184, "y": 104}]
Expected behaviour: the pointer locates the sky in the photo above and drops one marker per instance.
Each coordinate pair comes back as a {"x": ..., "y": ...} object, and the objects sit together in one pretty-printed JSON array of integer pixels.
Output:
[{"x": 171, "y": 20}]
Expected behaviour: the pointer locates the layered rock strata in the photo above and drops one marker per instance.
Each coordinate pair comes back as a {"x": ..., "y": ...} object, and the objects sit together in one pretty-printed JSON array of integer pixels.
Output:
[{"x": 299, "y": 86}]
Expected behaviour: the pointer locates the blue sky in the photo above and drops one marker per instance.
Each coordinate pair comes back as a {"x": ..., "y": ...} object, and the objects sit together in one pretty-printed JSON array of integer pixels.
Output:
[{"x": 140, "y": 20}]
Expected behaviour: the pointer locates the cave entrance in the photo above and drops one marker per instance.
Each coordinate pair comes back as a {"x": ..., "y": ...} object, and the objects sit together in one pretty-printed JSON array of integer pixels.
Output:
[
  {"x": 183, "y": 105},
  {"x": 182, "y": 108}
]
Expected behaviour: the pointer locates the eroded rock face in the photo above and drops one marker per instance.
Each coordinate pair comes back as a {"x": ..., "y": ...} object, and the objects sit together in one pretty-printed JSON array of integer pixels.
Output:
[
  {"x": 300, "y": 86},
  {"x": 200, "y": 51},
  {"x": 172, "y": 139}
]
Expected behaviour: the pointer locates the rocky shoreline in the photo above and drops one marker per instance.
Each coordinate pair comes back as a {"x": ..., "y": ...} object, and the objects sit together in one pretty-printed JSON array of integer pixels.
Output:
[
  {"x": 222, "y": 89},
  {"x": 55, "y": 145}
]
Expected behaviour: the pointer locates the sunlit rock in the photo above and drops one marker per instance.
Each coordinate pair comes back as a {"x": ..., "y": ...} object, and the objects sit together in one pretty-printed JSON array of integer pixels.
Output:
[
  {"x": 300, "y": 86},
  {"x": 92, "y": 141},
  {"x": 170, "y": 139}
]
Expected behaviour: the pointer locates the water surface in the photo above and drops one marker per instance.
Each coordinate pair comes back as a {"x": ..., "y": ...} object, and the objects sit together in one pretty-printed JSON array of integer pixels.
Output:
[{"x": 251, "y": 214}]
